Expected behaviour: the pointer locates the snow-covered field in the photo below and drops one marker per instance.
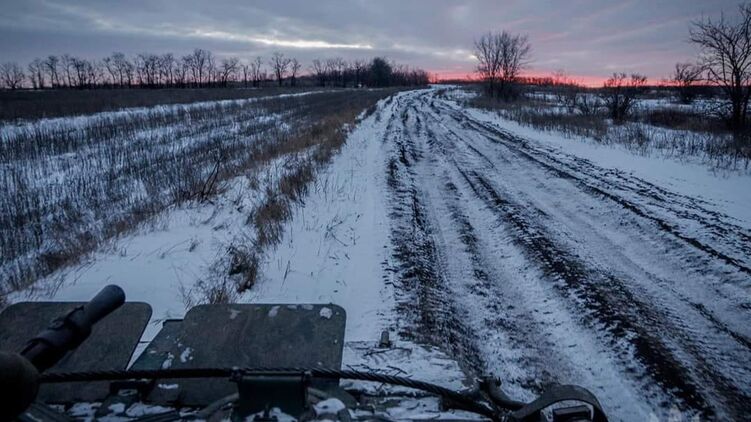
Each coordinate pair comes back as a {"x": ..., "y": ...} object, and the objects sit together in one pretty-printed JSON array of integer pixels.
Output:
[
  {"x": 538, "y": 258},
  {"x": 661, "y": 127},
  {"x": 70, "y": 183}
]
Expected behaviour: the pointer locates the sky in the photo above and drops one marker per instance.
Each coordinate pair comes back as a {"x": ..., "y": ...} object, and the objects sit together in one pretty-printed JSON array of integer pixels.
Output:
[{"x": 587, "y": 39}]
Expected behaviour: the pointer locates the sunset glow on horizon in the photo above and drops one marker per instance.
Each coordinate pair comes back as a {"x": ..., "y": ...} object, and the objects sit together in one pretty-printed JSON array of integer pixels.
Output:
[{"x": 587, "y": 81}]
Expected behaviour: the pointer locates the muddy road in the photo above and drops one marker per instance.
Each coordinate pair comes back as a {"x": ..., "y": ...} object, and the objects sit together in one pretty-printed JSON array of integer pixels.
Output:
[{"x": 542, "y": 267}]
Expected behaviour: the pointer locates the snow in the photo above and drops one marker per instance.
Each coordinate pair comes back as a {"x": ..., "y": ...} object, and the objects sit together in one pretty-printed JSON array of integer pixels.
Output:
[
  {"x": 333, "y": 248},
  {"x": 138, "y": 410},
  {"x": 728, "y": 192},
  {"x": 83, "y": 409},
  {"x": 155, "y": 112},
  {"x": 542, "y": 275},
  {"x": 329, "y": 406},
  {"x": 149, "y": 266},
  {"x": 325, "y": 313},
  {"x": 186, "y": 355},
  {"x": 404, "y": 358},
  {"x": 159, "y": 263},
  {"x": 699, "y": 105},
  {"x": 116, "y": 408},
  {"x": 331, "y": 253},
  {"x": 167, "y": 364},
  {"x": 570, "y": 259},
  {"x": 274, "y": 414},
  {"x": 273, "y": 311}
]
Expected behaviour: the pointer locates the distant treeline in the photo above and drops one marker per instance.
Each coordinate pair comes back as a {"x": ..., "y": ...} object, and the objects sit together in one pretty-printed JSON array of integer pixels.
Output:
[{"x": 203, "y": 69}]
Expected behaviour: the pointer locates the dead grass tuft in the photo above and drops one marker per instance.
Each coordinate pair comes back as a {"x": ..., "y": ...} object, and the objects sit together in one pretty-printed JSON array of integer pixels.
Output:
[{"x": 268, "y": 218}]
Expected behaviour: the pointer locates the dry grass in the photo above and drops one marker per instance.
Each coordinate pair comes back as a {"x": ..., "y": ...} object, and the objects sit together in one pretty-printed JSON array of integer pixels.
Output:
[
  {"x": 118, "y": 172},
  {"x": 674, "y": 118},
  {"x": 307, "y": 151},
  {"x": 267, "y": 219},
  {"x": 668, "y": 131},
  {"x": 322, "y": 140}
]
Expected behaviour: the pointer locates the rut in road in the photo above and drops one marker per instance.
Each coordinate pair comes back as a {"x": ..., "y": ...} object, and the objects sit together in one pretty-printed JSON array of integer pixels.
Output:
[{"x": 544, "y": 268}]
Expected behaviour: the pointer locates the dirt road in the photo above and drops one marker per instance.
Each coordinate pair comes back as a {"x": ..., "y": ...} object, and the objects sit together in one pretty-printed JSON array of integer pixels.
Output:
[{"x": 542, "y": 267}]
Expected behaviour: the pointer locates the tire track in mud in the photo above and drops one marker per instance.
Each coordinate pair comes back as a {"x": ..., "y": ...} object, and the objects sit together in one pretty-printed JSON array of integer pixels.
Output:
[
  {"x": 426, "y": 299},
  {"x": 745, "y": 341},
  {"x": 517, "y": 145},
  {"x": 670, "y": 371},
  {"x": 603, "y": 299},
  {"x": 693, "y": 209},
  {"x": 506, "y": 313},
  {"x": 486, "y": 286},
  {"x": 540, "y": 368},
  {"x": 662, "y": 224},
  {"x": 581, "y": 285},
  {"x": 586, "y": 170},
  {"x": 664, "y": 366},
  {"x": 529, "y": 352},
  {"x": 649, "y": 345}
]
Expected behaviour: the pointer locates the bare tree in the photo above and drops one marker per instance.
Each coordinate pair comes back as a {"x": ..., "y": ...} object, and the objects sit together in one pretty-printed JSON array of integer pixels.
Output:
[
  {"x": 339, "y": 66},
  {"x": 227, "y": 70},
  {"x": 488, "y": 54},
  {"x": 245, "y": 68},
  {"x": 398, "y": 73},
  {"x": 564, "y": 89},
  {"x": 67, "y": 63},
  {"x": 294, "y": 70},
  {"x": 140, "y": 65},
  {"x": 147, "y": 69},
  {"x": 256, "y": 70},
  {"x": 515, "y": 56},
  {"x": 501, "y": 57},
  {"x": 109, "y": 65},
  {"x": 200, "y": 68},
  {"x": 97, "y": 74},
  {"x": 726, "y": 55},
  {"x": 77, "y": 73},
  {"x": 167, "y": 68},
  {"x": 318, "y": 68},
  {"x": 82, "y": 72},
  {"x": 11, "y": 75},
  {"x": 201, "y": 65},
  {"x": 212, "y": 70},
  {"x": 127, "y": 68},
  {"x": 181, "y": 72},
  {"x": 36, "y": 73},
  {"x": 50, "y": 66},
  {"x": 619, "y": 94},
  {"x": 280, "y": 66},
  {"x": 331, "y": 71},
  {"x": 358, "y": 68},
  {"x": 120, "y": 68},
  {"x": 685, "y": 76},
  {"x": 572, "y": 95},
  {"x": 335, "y": 70}
]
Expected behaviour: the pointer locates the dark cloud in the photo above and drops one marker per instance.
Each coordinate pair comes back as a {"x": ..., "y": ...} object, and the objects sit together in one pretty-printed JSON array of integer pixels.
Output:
[{"x": 590, "y": 38}]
